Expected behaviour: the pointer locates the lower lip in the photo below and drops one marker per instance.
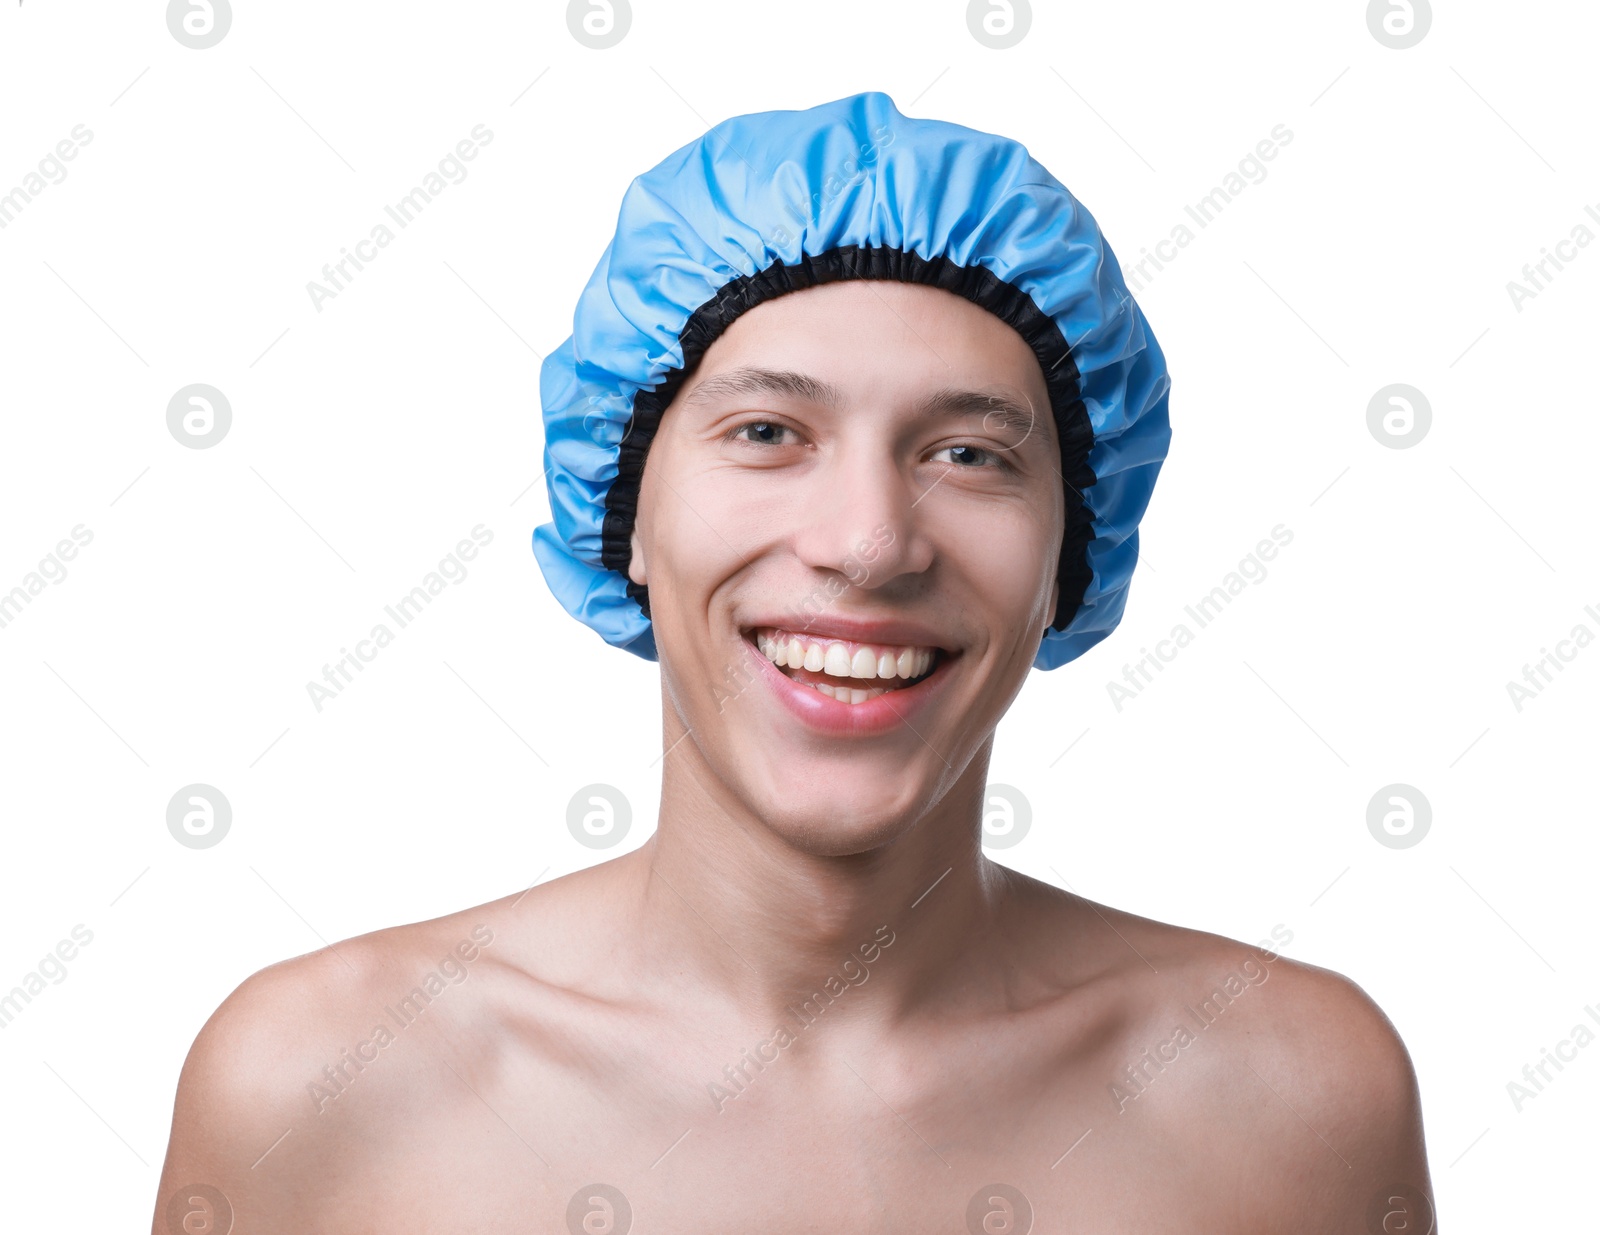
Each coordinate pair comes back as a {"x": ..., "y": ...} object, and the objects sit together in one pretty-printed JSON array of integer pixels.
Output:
[{"x": 883, "y": 714}]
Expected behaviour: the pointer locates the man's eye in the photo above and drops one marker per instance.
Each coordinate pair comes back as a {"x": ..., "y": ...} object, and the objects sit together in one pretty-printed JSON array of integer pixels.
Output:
[
  {"x": 971, "y": 450},
  {"x": 768, "y": 430}
]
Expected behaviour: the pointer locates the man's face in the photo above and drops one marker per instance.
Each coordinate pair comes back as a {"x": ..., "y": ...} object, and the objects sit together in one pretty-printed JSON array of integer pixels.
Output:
[{"x": 872, "y": 465}]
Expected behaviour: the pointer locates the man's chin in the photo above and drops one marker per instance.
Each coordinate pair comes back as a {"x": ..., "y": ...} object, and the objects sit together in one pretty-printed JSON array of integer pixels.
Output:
[{"x": 826, "y": 827}]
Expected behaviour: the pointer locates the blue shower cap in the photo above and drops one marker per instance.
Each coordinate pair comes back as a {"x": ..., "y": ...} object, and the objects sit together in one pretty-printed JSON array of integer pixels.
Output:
[{"x": 775, "y": 202}]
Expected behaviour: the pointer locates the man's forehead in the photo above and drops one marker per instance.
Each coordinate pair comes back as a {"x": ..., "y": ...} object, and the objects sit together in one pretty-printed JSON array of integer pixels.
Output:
[{"x": 914, "y": 346}]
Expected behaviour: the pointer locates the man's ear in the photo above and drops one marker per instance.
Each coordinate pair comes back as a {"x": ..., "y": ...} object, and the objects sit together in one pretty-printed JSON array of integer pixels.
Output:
[{"x": 637, "y": 570}]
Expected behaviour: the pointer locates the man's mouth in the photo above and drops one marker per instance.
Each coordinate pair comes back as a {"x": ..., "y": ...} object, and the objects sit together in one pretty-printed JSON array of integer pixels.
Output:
[{"x": 844, "y": 670}]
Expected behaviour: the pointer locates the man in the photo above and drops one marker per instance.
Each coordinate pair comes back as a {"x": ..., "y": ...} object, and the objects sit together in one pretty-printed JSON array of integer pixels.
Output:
[{"x": 849, "y": 494}]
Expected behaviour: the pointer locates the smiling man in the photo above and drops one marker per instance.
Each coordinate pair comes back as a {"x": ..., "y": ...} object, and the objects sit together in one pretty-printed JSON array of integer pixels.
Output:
[{"x": 849, "y": 470}]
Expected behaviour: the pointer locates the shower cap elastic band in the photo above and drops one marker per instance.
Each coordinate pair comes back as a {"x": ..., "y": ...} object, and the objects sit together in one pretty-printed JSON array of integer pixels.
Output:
[{"x": 774, "y": 202}]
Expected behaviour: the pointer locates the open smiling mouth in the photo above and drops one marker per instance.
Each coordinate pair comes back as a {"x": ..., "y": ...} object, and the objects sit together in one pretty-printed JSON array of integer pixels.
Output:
[{"x": 845, "y": 671}]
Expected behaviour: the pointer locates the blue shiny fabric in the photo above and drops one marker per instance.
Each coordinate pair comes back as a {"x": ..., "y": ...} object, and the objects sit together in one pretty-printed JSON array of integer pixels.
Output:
[{"x": 770, "y": 187}]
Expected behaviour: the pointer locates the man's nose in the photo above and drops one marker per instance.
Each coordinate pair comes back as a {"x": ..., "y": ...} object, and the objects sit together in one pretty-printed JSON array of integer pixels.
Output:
[{"x": 863, "y": 517}]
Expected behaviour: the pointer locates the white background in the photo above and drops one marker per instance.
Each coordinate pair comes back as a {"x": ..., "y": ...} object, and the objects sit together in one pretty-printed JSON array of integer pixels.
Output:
[{"x": 368, "y": 438}]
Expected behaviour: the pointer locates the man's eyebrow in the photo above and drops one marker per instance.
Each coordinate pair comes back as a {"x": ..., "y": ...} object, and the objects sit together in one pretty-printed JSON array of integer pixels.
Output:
[
  {"x": 736, "y": 383},
  {"x": 999, "y": 411}
]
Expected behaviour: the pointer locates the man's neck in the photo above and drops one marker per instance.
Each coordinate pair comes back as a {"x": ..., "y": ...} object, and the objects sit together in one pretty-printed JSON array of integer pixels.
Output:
[{"x": 727, "y": 905}]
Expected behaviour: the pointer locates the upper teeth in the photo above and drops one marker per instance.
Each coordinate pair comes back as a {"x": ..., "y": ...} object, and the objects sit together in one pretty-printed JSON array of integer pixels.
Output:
[{"x": 842, "y": 658}]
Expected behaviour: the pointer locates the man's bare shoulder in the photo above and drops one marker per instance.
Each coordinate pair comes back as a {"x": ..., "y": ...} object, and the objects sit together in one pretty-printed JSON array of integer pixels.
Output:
[
  {"x": 287, "y": 1014},
  {"x": 1324, "y": 1034},
  {"x": 330, "y": 986},
  {"x": 1167, "y": 969},
  {"x": 309, "y": 1059},
  {"x": 1292, "y": 1069}
]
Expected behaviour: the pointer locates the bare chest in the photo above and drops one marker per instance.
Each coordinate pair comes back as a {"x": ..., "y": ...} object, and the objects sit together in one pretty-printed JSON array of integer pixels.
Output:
[{"x": 850, "y": 1147}]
